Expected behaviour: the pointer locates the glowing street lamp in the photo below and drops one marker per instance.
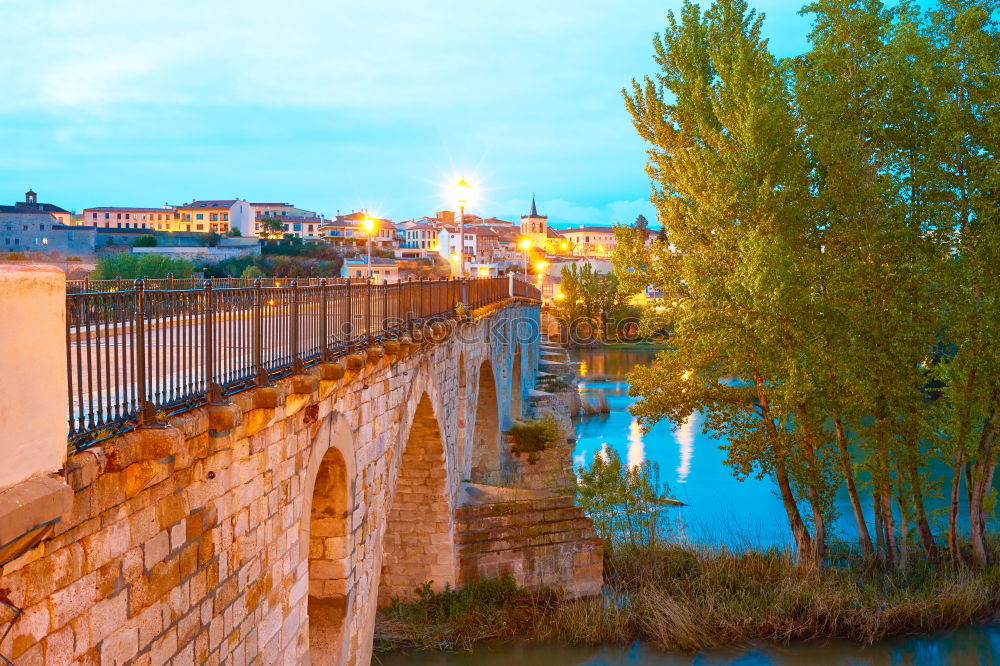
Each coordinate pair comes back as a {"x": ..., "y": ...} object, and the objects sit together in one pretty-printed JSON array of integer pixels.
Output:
[
  {"x": 462, "y": 192},
  {"x": 525, "y": 246},
  {"x": 369, "y": 226}
]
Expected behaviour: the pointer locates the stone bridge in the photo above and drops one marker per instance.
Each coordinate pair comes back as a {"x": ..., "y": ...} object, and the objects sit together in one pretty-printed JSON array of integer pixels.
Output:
[{"x": 268, "y": 530}]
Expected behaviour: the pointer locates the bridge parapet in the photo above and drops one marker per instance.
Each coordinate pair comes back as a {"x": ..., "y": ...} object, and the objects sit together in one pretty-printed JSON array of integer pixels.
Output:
[{"x": 137, "y": 356}]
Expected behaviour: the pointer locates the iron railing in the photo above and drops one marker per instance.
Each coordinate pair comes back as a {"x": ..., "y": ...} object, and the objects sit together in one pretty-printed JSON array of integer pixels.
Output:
[
  {"x": 122, "y": 284},
  {"x": 136, "y": 356}
]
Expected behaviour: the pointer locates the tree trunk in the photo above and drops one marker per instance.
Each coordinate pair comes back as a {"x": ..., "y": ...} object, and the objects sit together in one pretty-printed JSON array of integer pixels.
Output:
[
  {"x": 864, "y": 539},
  {"x": 904, "y": 526},
  {"x": 879, "y": 527},
  {"x": 923, "y": 526},
  {"x": 956, "y": 473},
  {"x": 803, "y": 543},
  {"x": 982, "y": 474},
  {"x": 956, "y": 480}
]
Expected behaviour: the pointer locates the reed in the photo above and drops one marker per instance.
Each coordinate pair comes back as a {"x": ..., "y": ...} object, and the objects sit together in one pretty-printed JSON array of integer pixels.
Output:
[{"x": 679, "y": 597}]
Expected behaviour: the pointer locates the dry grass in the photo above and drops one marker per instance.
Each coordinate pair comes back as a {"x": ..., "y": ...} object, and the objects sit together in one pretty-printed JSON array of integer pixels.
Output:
[{"x": 681, "y": 598}]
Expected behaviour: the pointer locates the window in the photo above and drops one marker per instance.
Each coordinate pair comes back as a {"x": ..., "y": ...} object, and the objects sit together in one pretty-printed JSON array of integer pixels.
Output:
[
  {"x": 199, "y": 227},
  {"x": 126, "y": 216},
  {"x": 225, "y": 217},
  {"x": 45, "y": 241},
  {"x": 199, "y": 216},
  {"x": 41, "y": 227},
  {"x": 107, "y": 215},
  {"x": 296, "y": 227},
  {"x": 93, "y": 216},
  {"x": 215, "y": 217}
]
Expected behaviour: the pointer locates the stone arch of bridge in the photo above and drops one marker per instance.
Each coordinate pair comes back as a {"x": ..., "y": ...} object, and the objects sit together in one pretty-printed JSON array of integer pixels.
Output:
[
  {"x": 418, "y": 543},
  {"x": 325, "y": 540},
  {"x": 486, "y": 430}
]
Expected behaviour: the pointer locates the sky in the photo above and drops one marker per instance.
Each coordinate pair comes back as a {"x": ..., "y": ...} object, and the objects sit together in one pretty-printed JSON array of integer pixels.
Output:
[{"x": 335, "y": 106}]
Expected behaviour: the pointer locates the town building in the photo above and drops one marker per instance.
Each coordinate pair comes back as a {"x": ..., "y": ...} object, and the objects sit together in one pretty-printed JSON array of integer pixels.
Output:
[
  {"x": 126, "y": 217},
  {"x": 590, "y": 241},
  {"x": 30, "y": 205},
  {"x": 383, "y": 269},
  {"x": 297, "y": 222},
  {"x": 349, "y": 231},
  {"x": 418, "y": 241},
  {"x": 218, "y": 215},
  {"x": 28, "y": 227}
]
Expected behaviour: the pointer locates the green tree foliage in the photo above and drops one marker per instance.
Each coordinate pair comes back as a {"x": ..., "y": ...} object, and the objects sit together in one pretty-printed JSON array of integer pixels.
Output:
[
  {"x": 272, "y": 227},
  {"x": 591, "y": 303},
  {"x": 233, "y": 232},
  {"x": 829, "y": 221},
  {"x": 145, "y": 241},
  {"x": 132, "y": 266},
  {"x": 627, "y": 503},
  {"x": 251, "y": 272}
]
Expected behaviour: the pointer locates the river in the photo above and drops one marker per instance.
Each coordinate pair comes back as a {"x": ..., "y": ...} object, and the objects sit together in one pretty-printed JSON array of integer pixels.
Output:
[{"x": 720, "y": 509}]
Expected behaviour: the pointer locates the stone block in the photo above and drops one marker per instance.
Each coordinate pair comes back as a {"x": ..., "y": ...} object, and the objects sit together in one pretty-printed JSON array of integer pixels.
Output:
[
  {"x": 25, "y": 507},
  {"x": 331, "y": 371},
  {"x": 354, "y": 362}
]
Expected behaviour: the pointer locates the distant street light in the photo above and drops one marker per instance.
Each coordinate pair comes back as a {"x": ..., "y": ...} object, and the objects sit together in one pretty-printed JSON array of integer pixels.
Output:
[{"x": 369, "y": 225}]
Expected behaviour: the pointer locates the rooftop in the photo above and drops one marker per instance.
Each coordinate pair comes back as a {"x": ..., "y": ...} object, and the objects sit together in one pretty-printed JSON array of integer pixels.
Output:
[
  {"x": 210, "y": 203},
  {"x": 130, "y": 209}
]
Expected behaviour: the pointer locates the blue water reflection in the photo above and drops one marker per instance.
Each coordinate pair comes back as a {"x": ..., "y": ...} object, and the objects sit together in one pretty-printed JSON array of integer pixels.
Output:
[{"x": 974, "y": 646}]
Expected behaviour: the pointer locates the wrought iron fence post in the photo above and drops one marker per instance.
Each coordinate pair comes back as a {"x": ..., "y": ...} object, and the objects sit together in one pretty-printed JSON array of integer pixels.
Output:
[
  {"x": 385, "y": 307},
  {"x": 260, "y": 374},
  {"x": 368, "y": 308},
  {"x": 350, "y": 315},
  {"x": 146, "y": 411},
  {"x": 293, "y": 329},
  {"x": 213, "y": 392},
  {"x": 409, "y": 304},
  {"x": 323, "y": 336}
]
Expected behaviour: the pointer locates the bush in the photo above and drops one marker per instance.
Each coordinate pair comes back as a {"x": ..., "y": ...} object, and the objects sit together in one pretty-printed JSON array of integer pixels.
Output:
[
  {"x": 233, "y": 231},
  {"x": 252, "y": 272},
  {"x": 626, "y": 502},
  {"x": 211, "y": 239},
  {"x": 15, "y": 256},
  {"x": 131, "y": 266},
  {"x": 552, "y": 385},
  {"x": 533, "y": 436},
  {"x": 145, "y": 241}
]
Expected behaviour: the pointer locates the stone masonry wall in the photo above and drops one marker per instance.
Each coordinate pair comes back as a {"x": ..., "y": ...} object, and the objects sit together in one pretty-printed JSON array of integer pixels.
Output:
[
  {"x": 191, "y": 544},
  {"x": 546, "y": 542}
]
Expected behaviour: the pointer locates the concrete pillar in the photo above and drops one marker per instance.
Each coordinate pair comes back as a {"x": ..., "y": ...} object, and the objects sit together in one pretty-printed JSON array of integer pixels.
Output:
[{"x": 33, "y": 426}]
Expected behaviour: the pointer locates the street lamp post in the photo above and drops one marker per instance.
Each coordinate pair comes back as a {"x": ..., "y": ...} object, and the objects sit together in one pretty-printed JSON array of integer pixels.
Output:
[
  {"x": 462, "y": 192},
  {"x": 369, "y": 225}
]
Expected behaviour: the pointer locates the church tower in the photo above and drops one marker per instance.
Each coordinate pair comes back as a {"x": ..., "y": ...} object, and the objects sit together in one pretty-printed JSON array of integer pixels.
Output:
[{"x": 534, "y": 227}]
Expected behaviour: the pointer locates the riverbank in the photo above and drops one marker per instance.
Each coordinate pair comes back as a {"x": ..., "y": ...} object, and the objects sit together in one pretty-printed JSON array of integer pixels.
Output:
[{"x": 693, "y": 598}]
